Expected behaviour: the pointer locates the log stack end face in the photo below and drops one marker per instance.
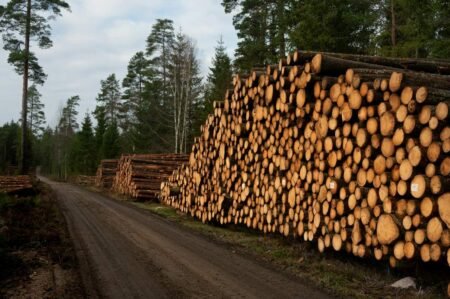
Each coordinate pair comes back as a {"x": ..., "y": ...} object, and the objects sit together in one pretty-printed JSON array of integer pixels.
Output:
[{"x": 348, "y": 151}]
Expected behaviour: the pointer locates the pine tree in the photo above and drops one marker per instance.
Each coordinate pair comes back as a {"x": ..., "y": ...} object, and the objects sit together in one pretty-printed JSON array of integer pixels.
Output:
[
  {"x": 9, "y": 143},
  {"x": 440, "y": 45},
  {"x": 156, "y": 115},
  {"x": 344, "y": 26},
  {"x": 110, "y": 98},
  {"x": 100, "y": 129},
  {"x": 83, "y": 149},
  {"x": 136, "y": 91},
  {"x": 159, "y": 43},
  {"x": 65, "y": 131},
  {"x": 407, "y": 27},
  {"x": 45, "y": 145},
  {"x": 110, "y": 146},
  {"x": 21, "y": 21},
  {"x": 68, "y": 121},
  {"x": 36, "y": 115},
  {"x": 219, "y": 77},
  {"x": 136, "y": 82},
  {"x": 251, "y": 23}
]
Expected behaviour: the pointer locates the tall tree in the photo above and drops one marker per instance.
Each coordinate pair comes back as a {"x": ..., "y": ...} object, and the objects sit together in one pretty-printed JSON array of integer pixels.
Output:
[
  {"x": 110, "y": 98},
  {"x": 22, "y": 21},
  {"x": 440, "y": 47},
  {"x": 251, "y": 22},
  {"x": 159, "y": 43},
  {"x": 407, "y": 27},
  {"x": 84, "y": 149},
  {"x": 186, "y": 88},
  {"x": 100, "y": 129},
  {"x": 66, "y": 130},
  {"x": 8, "y": 145},
  {"x": 110, "y": 146},
  {"x": 334, "y": 25},
  {"x": 36, "y": 115},
  {"x": 158, "y": 51},
  {"x": 45, "y": 145},
  {"x": 136, "y": 82},
  {"x": 219, "y": 77},
  {"x": 136, "y": 88},
  {"x": 68, "y": 121}
]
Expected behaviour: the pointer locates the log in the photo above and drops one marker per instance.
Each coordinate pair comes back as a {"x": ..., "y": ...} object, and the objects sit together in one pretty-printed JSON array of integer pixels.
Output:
[
  {"x": 349, "y": 153},
  {"x": 387, "y": 229}
]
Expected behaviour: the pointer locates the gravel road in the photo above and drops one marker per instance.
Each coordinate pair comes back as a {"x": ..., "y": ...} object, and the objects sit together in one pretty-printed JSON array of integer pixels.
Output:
[{"x": 126, "y": 252}]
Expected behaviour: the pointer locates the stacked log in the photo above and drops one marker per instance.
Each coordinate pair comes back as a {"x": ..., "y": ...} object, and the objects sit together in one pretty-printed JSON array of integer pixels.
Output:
[
  {"x": 86, "y": 180},
  {"x": 15, "y": 184},
  {"x": 139, "y": 176},
  {"x": 350, "y": 152},
  {"x": 106, "y": 172}
]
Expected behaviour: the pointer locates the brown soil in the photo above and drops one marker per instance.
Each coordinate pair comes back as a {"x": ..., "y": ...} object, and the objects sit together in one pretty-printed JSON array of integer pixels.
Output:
[
  {"x": 126, "y": 252},
  {"x": 37, "y": 256}
]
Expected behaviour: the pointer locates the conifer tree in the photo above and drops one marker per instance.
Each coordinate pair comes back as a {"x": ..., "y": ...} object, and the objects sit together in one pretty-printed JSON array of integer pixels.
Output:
[
  {"x": 136, "y": 90},
  {"x": 100, "y": 129},
  {"x": 110, "y": 98},
  {"x": 219, "y": 77},
  {"x": 22, "y": 21},
  {"x": 84, "y": 149},
  {"x": 110, "y": 146},
  {"x": 36, "y": 115},
  {"x": 158, "y": 51}
]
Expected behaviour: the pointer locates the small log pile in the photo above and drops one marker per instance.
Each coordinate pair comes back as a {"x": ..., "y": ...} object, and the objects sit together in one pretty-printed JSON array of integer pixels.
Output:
[
  {"x": 139, "y": 176},
  {"x": 15, "y": 184},
  {"x": 350, "y": 152},
  {"x": 106, "y": 172},
  {"x": 85, "y": 180}
]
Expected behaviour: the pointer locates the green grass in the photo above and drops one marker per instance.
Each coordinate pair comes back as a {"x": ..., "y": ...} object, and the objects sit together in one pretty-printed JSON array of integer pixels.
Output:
[{"x": 339, "y": 274}]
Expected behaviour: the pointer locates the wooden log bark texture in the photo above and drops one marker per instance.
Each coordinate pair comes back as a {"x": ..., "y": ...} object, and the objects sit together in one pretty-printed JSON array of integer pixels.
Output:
[
  {"x": 106, "y": 172},
  {"x": 139, "y": 177},
  {"x": 15, "y": 184}
]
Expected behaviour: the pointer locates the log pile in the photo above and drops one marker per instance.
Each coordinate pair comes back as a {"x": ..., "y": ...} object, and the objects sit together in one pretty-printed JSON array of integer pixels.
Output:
[
  {"x": 139, "y": 176},
  {"x": 350, "y": 152},
  {"x": 105, "y": 173},
  {"x": 15, "y": 184},
  {"x": 85, "y": 180}
]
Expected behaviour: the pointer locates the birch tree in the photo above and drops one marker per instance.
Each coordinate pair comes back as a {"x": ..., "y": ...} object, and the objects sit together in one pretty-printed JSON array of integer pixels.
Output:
[{"x": 185, "y": 84}]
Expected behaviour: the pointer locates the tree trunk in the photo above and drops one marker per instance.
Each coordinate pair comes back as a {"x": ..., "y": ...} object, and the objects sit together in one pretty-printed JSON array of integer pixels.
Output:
[
  {"x": 393, "y": 28},
  {"x": 23, "y": 160}
]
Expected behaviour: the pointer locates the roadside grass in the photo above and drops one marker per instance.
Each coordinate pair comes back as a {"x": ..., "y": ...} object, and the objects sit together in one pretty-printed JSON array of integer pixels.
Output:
[{"x": 338, "y": 274}]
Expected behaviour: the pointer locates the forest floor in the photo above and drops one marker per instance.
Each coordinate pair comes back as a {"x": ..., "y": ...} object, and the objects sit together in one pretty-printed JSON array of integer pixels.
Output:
[{"x": 37, "y": 256}]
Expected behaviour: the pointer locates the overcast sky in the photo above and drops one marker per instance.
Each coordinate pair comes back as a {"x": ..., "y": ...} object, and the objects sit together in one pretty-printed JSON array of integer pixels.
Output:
[{"x": 99, "y": 37}]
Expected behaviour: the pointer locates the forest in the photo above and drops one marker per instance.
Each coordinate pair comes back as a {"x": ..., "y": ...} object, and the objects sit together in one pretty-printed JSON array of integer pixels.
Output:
[{"x": 161, "y": 103}]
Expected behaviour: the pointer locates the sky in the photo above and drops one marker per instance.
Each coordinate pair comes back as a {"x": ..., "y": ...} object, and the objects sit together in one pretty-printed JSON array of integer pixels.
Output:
[{"x": 98, "y": 37}]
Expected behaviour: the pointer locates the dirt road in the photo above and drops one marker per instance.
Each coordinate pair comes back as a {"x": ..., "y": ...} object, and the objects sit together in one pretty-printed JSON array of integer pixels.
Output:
[{"x": 129, "y": 253}]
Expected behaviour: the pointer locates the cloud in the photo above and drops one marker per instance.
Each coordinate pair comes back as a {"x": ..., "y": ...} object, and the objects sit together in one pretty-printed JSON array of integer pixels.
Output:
[{"x": 99, "y": 37}]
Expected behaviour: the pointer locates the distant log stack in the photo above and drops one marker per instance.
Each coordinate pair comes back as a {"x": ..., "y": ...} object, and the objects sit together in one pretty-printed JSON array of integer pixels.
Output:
[
  {"x": 15, "y": 184},
  {"x": 105, "y": 173},
  {"x": 139, "y": 176},
  {"x": 86, "y": 180},
  {"x": 350, "y": 152}
]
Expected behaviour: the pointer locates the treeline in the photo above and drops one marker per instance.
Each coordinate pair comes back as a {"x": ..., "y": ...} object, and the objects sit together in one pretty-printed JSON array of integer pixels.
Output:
[
  {"x": 158, "y": 107},
  {"x": 162, "y": 101},
  {"x": 399, "y": 28}
]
